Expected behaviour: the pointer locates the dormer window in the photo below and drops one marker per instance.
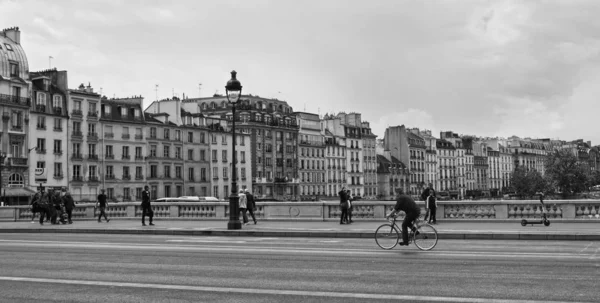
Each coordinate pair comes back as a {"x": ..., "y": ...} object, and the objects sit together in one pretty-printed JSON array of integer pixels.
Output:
[
  {"x": 41, "y": 99},
  {"x": 8, "y": 46},
  {"x": 14, "y": 69},
  {"x": 137, "y": 113},
  {"x": 106, "y": 110},
  {"x": 57, "y": 101},
  {"x": 123, "y": 112}
]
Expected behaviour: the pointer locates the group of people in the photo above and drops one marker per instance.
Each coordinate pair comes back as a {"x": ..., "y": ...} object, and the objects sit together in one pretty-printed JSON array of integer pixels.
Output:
[
  {"x": 346, "y": 199},
  {"x": 53, "y": 206},
  {"x": 246, "y": 204}
]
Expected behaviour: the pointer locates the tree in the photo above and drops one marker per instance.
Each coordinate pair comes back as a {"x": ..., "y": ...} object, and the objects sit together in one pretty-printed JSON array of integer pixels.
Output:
[
  {"x": 567, "y": 174},
  {"x": 527, "y": 182}
]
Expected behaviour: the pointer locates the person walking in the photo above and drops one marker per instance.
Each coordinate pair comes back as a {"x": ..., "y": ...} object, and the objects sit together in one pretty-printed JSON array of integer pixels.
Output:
[
  {"x": 425, "y": 197},
  {"x": 243, "y": 205},
  {"x": 146, "y": 207},
  {"x": 101, "y": 204},
  {"x": 431, "y": 205},
  {"x": 344, "y": 205},
  {"x": 250, "y": 204},
  {"x": 69, "y": 206}
]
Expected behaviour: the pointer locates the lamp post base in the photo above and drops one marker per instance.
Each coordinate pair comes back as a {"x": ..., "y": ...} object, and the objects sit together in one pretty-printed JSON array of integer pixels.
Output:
[{"x": 234, "y": 213}]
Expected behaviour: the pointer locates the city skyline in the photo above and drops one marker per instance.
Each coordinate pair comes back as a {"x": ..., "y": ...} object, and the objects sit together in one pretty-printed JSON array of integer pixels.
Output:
[{"x": 501, "y": 68}]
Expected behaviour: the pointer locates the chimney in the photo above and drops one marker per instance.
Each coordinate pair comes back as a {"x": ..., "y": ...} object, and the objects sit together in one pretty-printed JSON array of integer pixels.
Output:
[
  {"x": 13, "y": 33},
  {"x": 89, "y": 88}
]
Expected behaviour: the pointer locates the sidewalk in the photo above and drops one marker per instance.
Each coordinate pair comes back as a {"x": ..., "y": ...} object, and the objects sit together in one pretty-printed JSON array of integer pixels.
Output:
[{"x": 446, "y": 230}]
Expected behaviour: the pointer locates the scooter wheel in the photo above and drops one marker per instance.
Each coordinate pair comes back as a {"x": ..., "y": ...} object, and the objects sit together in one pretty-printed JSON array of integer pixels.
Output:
[
  {"x": 547, "y": 223},
  {"x": 523, "y": 222}
]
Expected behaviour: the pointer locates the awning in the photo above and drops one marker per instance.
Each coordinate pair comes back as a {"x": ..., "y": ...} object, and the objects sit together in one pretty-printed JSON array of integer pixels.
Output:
[{"x": 17, "y": 192}]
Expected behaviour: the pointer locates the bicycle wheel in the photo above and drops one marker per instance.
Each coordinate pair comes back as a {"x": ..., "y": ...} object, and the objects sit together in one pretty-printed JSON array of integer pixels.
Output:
[
  {"x": 426, "y": 237},
  {"x": 387, "y": 236}
]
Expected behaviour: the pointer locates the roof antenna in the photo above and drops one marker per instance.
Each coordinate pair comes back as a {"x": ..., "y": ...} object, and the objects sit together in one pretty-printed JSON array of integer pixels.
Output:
[{"x": 199, "y": 89}]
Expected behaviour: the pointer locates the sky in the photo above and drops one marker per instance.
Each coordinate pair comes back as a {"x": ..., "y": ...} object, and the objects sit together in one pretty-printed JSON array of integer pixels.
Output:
[{"x": 485, "y": 68}]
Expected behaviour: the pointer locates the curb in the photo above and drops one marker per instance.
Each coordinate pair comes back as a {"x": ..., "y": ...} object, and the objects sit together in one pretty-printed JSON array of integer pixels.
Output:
[{"x": 449, "y": 235}]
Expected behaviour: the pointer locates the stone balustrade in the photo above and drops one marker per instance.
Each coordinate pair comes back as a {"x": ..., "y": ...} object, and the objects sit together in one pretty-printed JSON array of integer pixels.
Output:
[{"x": 492, "y": 211}]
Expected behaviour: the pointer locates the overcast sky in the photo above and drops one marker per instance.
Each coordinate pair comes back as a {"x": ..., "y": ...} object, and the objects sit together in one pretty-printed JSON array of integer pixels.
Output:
[{"x": 487, "y": 68}]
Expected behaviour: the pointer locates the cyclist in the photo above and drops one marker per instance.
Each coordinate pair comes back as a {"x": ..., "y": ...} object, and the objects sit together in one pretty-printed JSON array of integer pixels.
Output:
[{"x": 410, "y": 208}]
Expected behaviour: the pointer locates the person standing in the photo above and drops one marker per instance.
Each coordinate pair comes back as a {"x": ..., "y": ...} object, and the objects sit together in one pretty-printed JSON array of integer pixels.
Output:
[
  {"x": 35, "y": 207},
  {"x": 425, "y": 197},
  {"x": 69, "y": 206},
  {"x": 101, "y": 204},
  {"x": 350, "y": 206},
  {"x": 343, "y": 205},
  {"x": 146, "y": 207},
  {"x": 243, "y": 205},
  {"x": 250, "y": 204}
]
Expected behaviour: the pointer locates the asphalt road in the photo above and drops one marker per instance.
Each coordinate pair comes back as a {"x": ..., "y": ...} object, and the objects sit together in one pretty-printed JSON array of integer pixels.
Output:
[{"x": 126, "y": 268}]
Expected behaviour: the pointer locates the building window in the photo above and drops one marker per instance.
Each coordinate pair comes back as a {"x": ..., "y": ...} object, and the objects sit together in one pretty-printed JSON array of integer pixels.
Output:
[
  {"x": 177, "y": 135},
  {"x": 167, "y": 190},
  {"x": 202, "y": 137},
  {"x": 58, "y": 146},
  {"x": 202, "y": 174},
  {"x": 58, "y": 170},
  {"x": 41, "y": 122},
  {"x": 153, "y": 171},
  {"x": 190, "y": 137},
  {"x": 92, "y": 172},
  {"x": 166, "y": 151},
  {"x": 225, "y": 173},
  {"x": 202, "y": 155},
  {"x": 41, "y": 145},
  {"x": 167, "y": 170},
  {"x": 178, "y": 172},
  {"x": 152, "y": 151},
  {"x": 57, "y": 101},
  {"x": 110, "y": 193},
  {"x": 190, "y": 154},
  {"x": 215, "y": 173},
  {"x": 153, "y": 133},
  {"x": 76, "y": 171},
  {"x": 178, "y": 153},
  {"x": 14, "y": 67},
  {"x": 166, "y": 134},
  {"x": 15, "y": 180},
  {"x": 57, "y": 124}
]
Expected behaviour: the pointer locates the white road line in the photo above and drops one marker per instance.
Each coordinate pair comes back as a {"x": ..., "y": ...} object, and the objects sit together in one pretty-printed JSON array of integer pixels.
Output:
[
  {"x": 586, "y": 247},
  {"x": 322, "y": 294},
  {"x": 207, "y": 241}
]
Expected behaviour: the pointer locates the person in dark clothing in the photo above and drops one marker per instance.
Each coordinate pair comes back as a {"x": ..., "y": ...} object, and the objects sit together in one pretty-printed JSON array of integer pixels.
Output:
[
  {"x": 250, "y": 204},
  {"x": 431, "y": 206},
  {"x": 344, "y": 206},
  {"x": 61, "y": 215},
  {"x": 101, "y": 204},
  {"x": 146, "y": 207},
  {"x": 428, "y": 192},
  {"x": 35, "y": 207},
  {"x": 409, "y": 207},
  {"x": 350, "y": 206},
  {"x": 69, "y": 206}
]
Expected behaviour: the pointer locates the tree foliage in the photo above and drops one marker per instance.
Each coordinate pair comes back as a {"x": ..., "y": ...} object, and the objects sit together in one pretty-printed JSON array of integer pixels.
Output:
[
  {"x": 568, "y": 175},
  {"x": 527, "y": 182}
]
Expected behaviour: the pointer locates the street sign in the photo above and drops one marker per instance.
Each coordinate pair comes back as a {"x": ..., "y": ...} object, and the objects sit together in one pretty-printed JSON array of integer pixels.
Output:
[{"x": 40, "y": 175}]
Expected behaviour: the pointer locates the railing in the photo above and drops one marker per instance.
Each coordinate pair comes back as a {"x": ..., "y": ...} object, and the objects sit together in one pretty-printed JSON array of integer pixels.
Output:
[
  {"x": 18, "y": 161},
  {"x": 77, "y": 179},
  {"x": 93, "y": 114},
  {"x": 125, "y": 136},
  {"x": 77, "y": 156},
  {"x": 472, "y": 211},
  {"x": 139, "y": 137},
  {"x": 9, "y": 99},
  {"x": 76, "y": 112}
]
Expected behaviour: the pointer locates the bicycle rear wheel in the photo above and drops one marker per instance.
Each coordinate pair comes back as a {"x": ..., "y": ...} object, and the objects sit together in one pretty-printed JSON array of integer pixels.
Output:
[
  {"x": 425, "y": 237},
  {"x": 387, "y": 236}
]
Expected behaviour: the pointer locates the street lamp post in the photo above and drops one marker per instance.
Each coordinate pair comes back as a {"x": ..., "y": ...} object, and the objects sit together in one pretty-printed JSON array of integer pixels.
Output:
[
  {"x": 2, "y": 157},
  {"x": 234, "y": 92}
]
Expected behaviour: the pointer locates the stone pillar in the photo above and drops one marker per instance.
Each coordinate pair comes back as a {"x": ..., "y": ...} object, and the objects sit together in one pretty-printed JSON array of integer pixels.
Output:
[
  {"x": 568, "y": 211},
  {"x": 439, "y": 212},
  {"x": 174, "y": 211},
  {"x": 501, "y": 211},
  {"x": 131, "y": 211},
  {"x": 379, "y": 211},
  {"x": 89, "y": 211}
]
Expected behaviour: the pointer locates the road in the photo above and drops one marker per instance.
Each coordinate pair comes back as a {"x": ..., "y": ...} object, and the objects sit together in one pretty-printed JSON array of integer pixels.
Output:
[{"x": 128, "y": 268}]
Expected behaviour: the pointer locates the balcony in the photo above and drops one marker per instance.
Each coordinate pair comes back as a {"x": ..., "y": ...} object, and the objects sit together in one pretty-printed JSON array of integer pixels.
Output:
[
  {"x": 77, "y": 135},
  {"x": 93, "y": 179},
  {"x": 57, "y": 110},
  {"x": 109, "y": 135},
  {"x": 40, "y": 126},
  {"x": 110, "y": 177},
  {"x": 58, "y": 152},
  {"x": 58, "y": 129},
  {"x": 139, "y": 157},
  {"x": 139, "y": 177},
  {"x": 77, "y": 157},
  {"x": 139, "y": 137},
  {"x": 77, "y": 112},
  {"x": 92, "y": 136},
  {"x": 126, "y": 177},
  {"x": 18, "y": 161},
  {"x": 40, "y": 108},
  {"x": 109, "y": 156},
  {"x": 40, "y": 150},
  {"x": 77, "y": 179},
  {"x": 93, "y": 157},
  {"x": 58, "y": 176},
  {"x": 92, "y": 114},
  {"x": 125, "y": 136},
  {"x": 8, "y": 99},
  {"x": 125, "y": 157}
]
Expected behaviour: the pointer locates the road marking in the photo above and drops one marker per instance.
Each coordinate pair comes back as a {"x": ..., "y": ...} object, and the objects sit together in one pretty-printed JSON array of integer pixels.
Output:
[
  {"x": 586, "y": 247},
  {"x": 206, "y": 241},
  {"x": 326, "y": 294}
]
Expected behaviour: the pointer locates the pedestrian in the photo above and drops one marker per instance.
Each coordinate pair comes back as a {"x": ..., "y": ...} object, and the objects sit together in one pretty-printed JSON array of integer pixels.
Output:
[
  {"x": 69, "y": 206},
  {"x": 35, "y": 207},
  {"x": 250, "y": 204},
  {"x": 243, "y": 205},
  {"x": 101, "y": 204},
  {"x": 350, "y": 206},
  {"x": 61, "y": 214},
  {"x": 431, "y": 207},
  {"x": 146, "y": 207},
  {"x": 425, "y": 196},
  {"x": 343, "y": 205}
]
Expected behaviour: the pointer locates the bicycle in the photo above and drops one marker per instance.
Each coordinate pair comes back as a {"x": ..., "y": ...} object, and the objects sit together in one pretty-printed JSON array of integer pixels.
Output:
[{"x": 388, "y": 235}]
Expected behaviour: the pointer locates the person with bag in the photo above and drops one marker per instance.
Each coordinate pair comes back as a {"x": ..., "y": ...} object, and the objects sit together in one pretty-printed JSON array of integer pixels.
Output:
[
  {"x": 250, "y": 204},
  {"x": 243, "y": 205},
  {"x": 146, "y": 207},
  {"x": 344, "y": 205},
  {"x": 431, "y": 205}
]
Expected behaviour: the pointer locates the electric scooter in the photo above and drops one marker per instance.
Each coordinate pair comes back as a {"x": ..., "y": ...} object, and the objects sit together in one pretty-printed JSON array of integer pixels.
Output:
[{"x": 544, "y": 219}]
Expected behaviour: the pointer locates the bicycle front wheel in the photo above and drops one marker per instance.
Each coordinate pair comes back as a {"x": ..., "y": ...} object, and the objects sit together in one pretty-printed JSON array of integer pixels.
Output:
[
  {"x": 387, "y": 236},
  {"x": 426, "y": 237}
]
